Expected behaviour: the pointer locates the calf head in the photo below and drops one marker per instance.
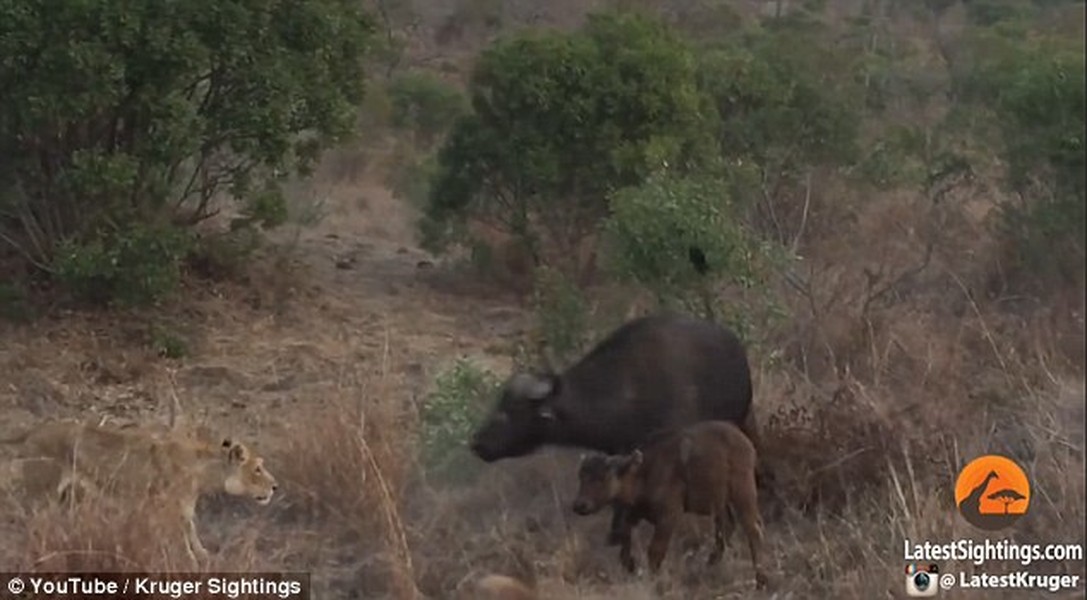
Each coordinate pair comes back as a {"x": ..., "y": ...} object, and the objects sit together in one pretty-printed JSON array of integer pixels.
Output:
[
  {"x": 604, "y": 479},
  {"x": 519, "y": 422}
]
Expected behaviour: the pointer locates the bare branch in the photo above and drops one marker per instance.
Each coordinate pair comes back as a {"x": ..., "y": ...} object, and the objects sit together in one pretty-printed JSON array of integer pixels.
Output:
[
  {"x": 893, "y": 284},
  {"x": 804, "y": 216}
]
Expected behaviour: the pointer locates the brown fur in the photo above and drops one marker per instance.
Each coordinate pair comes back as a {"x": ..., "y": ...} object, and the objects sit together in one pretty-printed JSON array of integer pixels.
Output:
[
  {"x": 654, "y": 373},
  {"x": 502, "y": 587},
  {"x": 703, "y": 469},
  {"x": 154, "y": 463}
]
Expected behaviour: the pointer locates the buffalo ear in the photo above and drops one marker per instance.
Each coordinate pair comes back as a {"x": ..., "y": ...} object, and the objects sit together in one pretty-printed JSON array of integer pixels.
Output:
[
  {"x": 555, "y": 381},
  {"x": 634, "y": 461},
  {"x": 533, "y": 387}
]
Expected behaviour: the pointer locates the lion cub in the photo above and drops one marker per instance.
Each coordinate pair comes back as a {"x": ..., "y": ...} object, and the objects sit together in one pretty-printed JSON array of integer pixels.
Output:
[{"x": 167, "y": 466}]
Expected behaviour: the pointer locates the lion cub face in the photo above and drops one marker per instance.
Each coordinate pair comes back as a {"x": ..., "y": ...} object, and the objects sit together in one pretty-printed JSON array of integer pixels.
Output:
[{"x": 246, "y": 475}]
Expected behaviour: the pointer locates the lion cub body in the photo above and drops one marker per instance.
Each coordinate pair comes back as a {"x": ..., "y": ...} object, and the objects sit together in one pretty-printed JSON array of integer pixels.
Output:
[{"x": 168, "y": 467}]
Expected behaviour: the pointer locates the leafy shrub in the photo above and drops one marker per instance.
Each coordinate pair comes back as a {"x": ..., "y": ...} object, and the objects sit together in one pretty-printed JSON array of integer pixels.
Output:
[
  {"x": 776, "y": 102},
  {"x": 660, "y": 230},
  {"x": 14, "y": 303},
  {"x": 133, "y": 266},
  {"x": 992, "y": 12},
  {"x": 412, "y": 180},
  {"x": 561, "y": 314},
  {"x": 558, "y": 120},
  {"x": 138, "y": 114},
  {"x": 224, "y": 255},
  {"x": 167, "y": 343},
  {"x": 449, "y": 414},
  {"x": 425, "y": 105},
  {"x": 654, "y": 227},
  {"x": 1034, "y": 92}
]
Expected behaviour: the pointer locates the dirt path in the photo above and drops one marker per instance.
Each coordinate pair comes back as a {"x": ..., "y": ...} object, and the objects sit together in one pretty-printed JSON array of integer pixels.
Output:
[{"x": 365, "y": 298}]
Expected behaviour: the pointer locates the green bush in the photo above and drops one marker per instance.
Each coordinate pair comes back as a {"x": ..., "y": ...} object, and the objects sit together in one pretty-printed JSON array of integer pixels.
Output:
[
  {"x": 138, "y": 113},
  {"x": 133, "y": 266},
  {"x": 224, "y": 255},
  {"x": 426, "y": 105},
  {"x": 1033, "y": 92},
  {"x": 655, "y": 227},
  {"x": 462, "y": 394},
  {"x": 15, "y": 303},
  {"x": 167, "y": 343},
  {"x": 784, "y": 98},
  {"x": 560, "y": 119},
  {"x": 412, "y": 180},
  {"x": 561, "y": 314}
]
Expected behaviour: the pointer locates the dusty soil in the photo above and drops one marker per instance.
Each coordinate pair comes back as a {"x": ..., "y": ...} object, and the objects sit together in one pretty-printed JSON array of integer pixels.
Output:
[
  {"x": 352, "y": 289},
  {"x": 335, "y": 306}
]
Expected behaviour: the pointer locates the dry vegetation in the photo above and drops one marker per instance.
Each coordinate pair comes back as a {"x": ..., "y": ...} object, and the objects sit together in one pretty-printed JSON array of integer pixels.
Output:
[{"x": 898, "y": 365}]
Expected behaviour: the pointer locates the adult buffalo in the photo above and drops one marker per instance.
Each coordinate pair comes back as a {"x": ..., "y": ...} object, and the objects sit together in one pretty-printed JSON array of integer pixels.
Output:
[{"x": 653, "y": 373}]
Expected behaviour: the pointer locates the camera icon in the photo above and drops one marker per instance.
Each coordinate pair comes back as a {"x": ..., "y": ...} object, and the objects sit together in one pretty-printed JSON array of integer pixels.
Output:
[{"x": 921, "y": 580}]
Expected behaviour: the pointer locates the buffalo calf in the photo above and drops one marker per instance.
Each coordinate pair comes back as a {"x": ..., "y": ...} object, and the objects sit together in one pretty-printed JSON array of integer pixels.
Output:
[
  {"x": 704, "y": 469},
  {"x": 651, "y": 374}
]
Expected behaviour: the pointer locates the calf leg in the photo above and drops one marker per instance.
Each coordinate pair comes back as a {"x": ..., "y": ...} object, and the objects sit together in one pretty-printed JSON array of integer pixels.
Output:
[
  {"x": 724, "y": 522},
  {"x": 747, "y": 506},
  {"x": 658, "y": 546},
  {"x": 618, "y": 523},
  {"x": 622, "y": 536},
  {"x": 626, "y": 557}
]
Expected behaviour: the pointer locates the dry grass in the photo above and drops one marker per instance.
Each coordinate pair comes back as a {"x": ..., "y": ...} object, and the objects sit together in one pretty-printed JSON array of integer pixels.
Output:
[
  {"x": 885, "y": 380},
  {"x": 866, "y": 417},
  {"x": 860, "y": 463}
]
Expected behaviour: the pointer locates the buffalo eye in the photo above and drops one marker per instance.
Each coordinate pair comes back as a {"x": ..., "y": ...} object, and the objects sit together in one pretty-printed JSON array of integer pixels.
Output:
[{"x": 547, "y": 412}]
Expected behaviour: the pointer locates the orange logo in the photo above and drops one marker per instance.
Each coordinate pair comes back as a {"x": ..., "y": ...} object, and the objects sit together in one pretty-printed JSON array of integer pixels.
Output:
[{"x": 992, "y": 492}]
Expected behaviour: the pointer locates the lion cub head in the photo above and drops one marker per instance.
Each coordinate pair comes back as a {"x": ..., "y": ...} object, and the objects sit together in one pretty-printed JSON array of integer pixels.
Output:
[{"x": 246, "y": 475}]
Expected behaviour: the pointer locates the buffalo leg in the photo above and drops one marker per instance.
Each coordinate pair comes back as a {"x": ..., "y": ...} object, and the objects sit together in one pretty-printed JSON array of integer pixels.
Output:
[{"x": 626, "y": 556}]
